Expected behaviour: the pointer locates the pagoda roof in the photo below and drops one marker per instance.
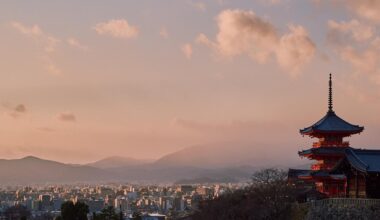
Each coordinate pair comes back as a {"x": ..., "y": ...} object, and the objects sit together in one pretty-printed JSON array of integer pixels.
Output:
[
  {"x": 364, "y": 160},
  {"x": 332, "y": 124},
  {"x": 324, "y": 151}
]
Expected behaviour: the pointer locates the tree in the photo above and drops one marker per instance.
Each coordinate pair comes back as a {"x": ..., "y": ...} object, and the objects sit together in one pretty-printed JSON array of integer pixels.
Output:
[
  {"x": 77, "y": 211},
  {"x": 107, "y": 213},
  {"x": 17, "y": 212},
  {"x": 269, "y": 176},
  {"x": 267, "y": 197}
]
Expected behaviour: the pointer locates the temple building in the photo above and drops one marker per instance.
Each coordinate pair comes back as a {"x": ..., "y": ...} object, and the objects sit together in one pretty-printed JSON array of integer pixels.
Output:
[{"x": 339, "y": 169}]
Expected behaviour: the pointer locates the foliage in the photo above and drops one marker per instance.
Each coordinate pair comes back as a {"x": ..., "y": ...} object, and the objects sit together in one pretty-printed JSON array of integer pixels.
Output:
[
  {"x": 77, "y": 211},
  {"x": 17, "y": 212},
  {"x": 268, "y": 197},
  {"x": 107, "y": 213}
]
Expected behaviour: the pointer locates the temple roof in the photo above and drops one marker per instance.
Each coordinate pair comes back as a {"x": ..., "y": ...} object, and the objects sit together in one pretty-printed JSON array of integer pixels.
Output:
[
  {"x": 332, "y": 124},
  {"x": 364, "y": 160},
  {"x": 361, "y": 159},
  {"x": 324, "y": 151}
]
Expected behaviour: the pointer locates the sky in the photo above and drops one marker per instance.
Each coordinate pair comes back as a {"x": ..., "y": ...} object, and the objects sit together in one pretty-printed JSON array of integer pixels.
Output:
[{"x": 83, "y": 80}]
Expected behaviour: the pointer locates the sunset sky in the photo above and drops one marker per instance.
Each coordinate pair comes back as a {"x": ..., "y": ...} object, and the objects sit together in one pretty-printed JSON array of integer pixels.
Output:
[{"x": 82, "y": 80}]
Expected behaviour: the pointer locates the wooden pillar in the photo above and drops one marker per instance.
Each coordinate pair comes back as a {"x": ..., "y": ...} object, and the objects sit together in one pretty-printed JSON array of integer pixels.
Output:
[
  {"x": 347, "y": 186},
  {"x": 356, "y": 185}
]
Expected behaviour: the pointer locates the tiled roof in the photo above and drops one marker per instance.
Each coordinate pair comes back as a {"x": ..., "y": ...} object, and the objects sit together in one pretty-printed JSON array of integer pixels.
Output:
[
  {"x": 331, "y": 123},
  {"x": 364, "y": 160}
]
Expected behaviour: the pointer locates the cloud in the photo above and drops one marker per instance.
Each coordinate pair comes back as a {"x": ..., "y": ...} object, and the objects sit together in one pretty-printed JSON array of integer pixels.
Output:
[
  {"x": 271, "y": 2},
  {"x": 357, "y": 44},
  {"x": 356, "y": 31},
  {"x": 164, "y": 33},
  {"x": 66, "y": 117},
  {"x": 118, "y": 28},
  {"x": 368, "y": 9},
  {"x": 48, "y": 42},
  {"x": 20, "y": 108},
  {"x": 52, "y": 68},
  {"x": 46, "y": 129},
  {"x": 187, "y": 50},
  {"x": 244, "y": 33},
  {"x": 354, "y": 42},
  {"x": 199, "y": 6},
  {"x": 295, "y": 49},
  {"x": 15, "y": 111},
  {"x": 75, "y": 43},
  {"x": 230, "y": 129}
]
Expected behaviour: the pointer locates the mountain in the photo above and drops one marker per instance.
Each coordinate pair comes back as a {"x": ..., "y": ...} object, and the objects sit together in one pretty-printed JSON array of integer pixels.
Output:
[
  {"x": 204, "y": 163},
  {"x": 33, "y": 170},
  {"x": 116, "y": 161},
  {"x": 29, "y": 170},
  {"x": 227, "y": 154}
]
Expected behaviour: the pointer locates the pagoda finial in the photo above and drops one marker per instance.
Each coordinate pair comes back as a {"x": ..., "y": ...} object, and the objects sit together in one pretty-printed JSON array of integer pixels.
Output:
[{"x": 330, "y": 95}]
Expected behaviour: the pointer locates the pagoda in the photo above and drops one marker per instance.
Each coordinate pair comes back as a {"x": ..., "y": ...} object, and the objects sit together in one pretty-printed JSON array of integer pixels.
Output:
[{"x": 328, "y": 151}]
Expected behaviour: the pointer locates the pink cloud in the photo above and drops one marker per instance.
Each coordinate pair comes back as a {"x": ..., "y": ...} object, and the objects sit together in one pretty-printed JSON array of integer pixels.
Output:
[
  {"x": 244, "y": 33},
  {"x": 15, "y": 111},
  {"x": 66, "y": 117},
  {"x": 117, "y": 28},
  {"x": 75, "y": 43},
  {"x": 187, "y": 50}
]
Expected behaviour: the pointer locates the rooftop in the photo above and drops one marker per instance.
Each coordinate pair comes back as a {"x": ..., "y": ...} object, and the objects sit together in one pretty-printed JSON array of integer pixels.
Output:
[
  {"x": 332, "y": 124},
  {"x": 364, "y": 160}
]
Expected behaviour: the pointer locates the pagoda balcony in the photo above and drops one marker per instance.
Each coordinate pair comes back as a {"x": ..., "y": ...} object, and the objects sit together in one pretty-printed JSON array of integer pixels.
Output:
[
  {"x": 322, "y": 166},
  {"x": 331, "y": 144}
]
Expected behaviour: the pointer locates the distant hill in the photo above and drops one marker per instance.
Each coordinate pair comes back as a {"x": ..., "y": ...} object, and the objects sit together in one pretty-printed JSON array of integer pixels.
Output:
[
  {"x": 219, "y": 155},
  {"x": 29, "y": 170},
  {"x": 33, "y": 170},
  {"x": 204, "y": 163},
  {"x": 117, "y": 161}
]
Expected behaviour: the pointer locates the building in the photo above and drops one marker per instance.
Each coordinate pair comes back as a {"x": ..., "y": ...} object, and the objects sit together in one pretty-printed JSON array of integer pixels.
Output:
[{"x": 340, "y": 170}]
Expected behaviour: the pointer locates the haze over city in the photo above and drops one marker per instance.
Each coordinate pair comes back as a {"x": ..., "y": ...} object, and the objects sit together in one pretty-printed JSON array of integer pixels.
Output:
[{"x": 85, "y": 80}]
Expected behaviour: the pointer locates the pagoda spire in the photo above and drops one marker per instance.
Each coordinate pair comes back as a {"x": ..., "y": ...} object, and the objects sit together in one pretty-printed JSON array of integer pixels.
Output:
[{"x": 330, "y": 103}]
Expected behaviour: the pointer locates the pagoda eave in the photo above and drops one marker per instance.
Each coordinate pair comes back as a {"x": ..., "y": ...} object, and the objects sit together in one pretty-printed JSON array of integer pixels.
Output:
[
  {"x": 323, "y": 151},
  {"x": 318, "y": 133}
]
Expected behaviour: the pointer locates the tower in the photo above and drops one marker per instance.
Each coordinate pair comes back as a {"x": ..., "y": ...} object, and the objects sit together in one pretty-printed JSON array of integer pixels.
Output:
[{"x": 328, "y": 150}]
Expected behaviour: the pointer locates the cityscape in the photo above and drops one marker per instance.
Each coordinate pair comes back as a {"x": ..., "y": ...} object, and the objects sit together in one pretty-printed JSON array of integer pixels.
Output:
[{"x": 174, "y": 201}]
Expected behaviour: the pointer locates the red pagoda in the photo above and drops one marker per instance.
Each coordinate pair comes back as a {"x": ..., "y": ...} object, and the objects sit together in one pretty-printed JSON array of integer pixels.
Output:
[{"x": 329, "y": 152}]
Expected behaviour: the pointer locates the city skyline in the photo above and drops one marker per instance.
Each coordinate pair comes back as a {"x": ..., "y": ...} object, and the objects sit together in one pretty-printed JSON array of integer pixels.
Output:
[{"x": 84, "y": 81}]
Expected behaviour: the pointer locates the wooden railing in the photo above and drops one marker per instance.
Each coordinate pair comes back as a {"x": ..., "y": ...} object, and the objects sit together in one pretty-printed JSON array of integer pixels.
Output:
[
  {"x": 331, "y": 144},
  {"x": 322, "y": 166}
]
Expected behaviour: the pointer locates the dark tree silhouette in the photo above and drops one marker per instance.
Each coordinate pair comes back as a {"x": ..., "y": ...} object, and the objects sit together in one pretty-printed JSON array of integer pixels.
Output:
[
  {"x": 16, "y": 212},
  {"x": 107, "y": 213},
  {"x": 268, "y": 197},
  {"x": 71, "y": 211}
]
